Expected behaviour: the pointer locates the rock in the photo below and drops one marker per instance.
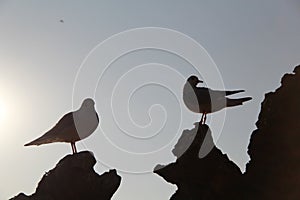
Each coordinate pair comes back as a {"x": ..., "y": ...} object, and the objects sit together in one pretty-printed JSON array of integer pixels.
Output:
[
  {"x": 74, "y": 178},
  {"x": 211, "y": 177},
  {"x": 274, "y": 169}
]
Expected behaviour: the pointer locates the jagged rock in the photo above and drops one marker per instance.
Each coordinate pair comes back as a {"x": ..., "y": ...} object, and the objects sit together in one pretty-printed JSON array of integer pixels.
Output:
[
  {"x": 74, "y": 178},
  {"x": 211, "y": 177},
  {"x": 274, "y": 169},
  {"x": 274, "y": 149}
]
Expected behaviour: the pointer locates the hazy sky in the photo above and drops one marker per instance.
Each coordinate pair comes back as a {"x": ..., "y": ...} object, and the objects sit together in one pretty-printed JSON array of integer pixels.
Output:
[{"x": 253, "y": 43}]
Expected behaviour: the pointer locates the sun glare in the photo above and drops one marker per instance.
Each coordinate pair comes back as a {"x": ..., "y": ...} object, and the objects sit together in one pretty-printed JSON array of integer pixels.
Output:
[{"x": 2, "y": 111}]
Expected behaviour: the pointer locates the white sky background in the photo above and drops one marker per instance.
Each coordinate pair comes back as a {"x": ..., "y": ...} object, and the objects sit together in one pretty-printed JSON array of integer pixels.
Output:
[{"x": 253, "y": 44}]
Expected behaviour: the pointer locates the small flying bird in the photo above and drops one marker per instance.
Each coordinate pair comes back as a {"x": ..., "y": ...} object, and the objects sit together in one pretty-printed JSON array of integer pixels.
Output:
[
  {"x": 61, "y": 21},
  {"x": 204, "y": 100},
  {"x": 72, "y": 127}
]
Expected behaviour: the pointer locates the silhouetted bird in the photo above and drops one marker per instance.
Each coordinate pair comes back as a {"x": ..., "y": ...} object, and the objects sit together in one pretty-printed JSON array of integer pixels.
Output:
[
  {"x": 61, "y": 21},
  {"x": 72, "y": 127},
  {"x": 205, "y": 100}
]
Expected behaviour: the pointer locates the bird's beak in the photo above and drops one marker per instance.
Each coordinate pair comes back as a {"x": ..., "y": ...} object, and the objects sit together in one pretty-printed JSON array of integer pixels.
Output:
[{"x": 199, "y": 81}]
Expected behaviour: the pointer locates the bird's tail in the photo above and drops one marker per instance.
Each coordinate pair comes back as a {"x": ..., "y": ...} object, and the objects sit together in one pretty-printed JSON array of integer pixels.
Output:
[
  {"x": 38, "y": 141},
  {"x": 236, "y": 102},
  {"x": 44, "y": 139},
  {"x": 233, "y": 92},
  {"x": 34, "y": 142}
]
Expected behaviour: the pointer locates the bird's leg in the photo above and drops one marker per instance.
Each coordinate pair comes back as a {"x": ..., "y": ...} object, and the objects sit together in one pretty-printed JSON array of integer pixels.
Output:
[
  {"x": 74, "y": 150},
  {"x": 202, "y": 118},
  {"x": 75, "y": 147},
  {"x": 72, "y": 147}
]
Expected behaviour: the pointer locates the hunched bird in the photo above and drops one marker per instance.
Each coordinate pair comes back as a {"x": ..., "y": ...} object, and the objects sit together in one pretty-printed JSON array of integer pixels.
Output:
[{"x": 72, "y": 127}]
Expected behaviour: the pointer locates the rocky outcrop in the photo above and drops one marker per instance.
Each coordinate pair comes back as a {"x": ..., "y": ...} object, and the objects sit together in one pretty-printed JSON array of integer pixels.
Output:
[
  {"x": 274, "y": 169},
  {"x": 211, "y": 177},
  {"x": 274, "y": 149},
  {"x": 74, "y": 178}
]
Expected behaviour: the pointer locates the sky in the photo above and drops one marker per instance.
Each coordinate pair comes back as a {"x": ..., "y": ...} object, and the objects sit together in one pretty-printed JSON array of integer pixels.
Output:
[{"x": 48, "y": 67}]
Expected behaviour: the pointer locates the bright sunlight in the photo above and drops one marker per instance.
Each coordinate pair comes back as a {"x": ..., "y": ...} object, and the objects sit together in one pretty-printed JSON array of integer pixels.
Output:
[{"x": 2, "y": 111}]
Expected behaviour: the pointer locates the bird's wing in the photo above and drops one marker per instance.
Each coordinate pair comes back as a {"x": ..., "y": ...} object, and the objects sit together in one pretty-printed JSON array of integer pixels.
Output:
[
  {"x": 236, "y": 102},
  {"x": 219, "y": 94},
  {"x": 228, "y": 92},
  {"x": 206, "y": 95},
  {"x": 203, "y": 95},
  {"x": 63, "y": 126},
  {"x": 201, "y": 90},
  {"x": 66, "y": 121}
]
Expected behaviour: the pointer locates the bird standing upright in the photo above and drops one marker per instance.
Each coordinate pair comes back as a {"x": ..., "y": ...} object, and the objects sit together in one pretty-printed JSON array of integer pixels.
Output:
[
  {"x": 72, "y": 127},
  {"x": 204, "y": 100}
]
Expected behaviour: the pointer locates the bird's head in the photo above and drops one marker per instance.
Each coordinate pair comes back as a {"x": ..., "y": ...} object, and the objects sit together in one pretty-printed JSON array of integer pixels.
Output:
[
  {"x": 88, "y": 103},
  {"x": 193, "y": 80}
]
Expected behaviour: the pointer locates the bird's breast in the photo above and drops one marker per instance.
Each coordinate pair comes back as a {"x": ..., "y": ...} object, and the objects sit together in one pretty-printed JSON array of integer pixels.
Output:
[
  {"x": 194, "y": 101},
  {"x": 86, "y": 123},
  {"x": 190, "y": 99}
]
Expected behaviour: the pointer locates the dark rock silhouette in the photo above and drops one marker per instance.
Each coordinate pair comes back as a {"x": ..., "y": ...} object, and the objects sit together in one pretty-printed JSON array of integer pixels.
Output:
[
  {"x": 205, "y": 178},
  {"x": 274, "y": 149},
  {"x": 274, "y": 169},
  {"x": 74, "y": 178}
]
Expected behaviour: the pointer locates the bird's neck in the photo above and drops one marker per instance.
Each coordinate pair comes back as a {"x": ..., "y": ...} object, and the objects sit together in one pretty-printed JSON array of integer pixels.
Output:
[{"x": 189, "y": 85}]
